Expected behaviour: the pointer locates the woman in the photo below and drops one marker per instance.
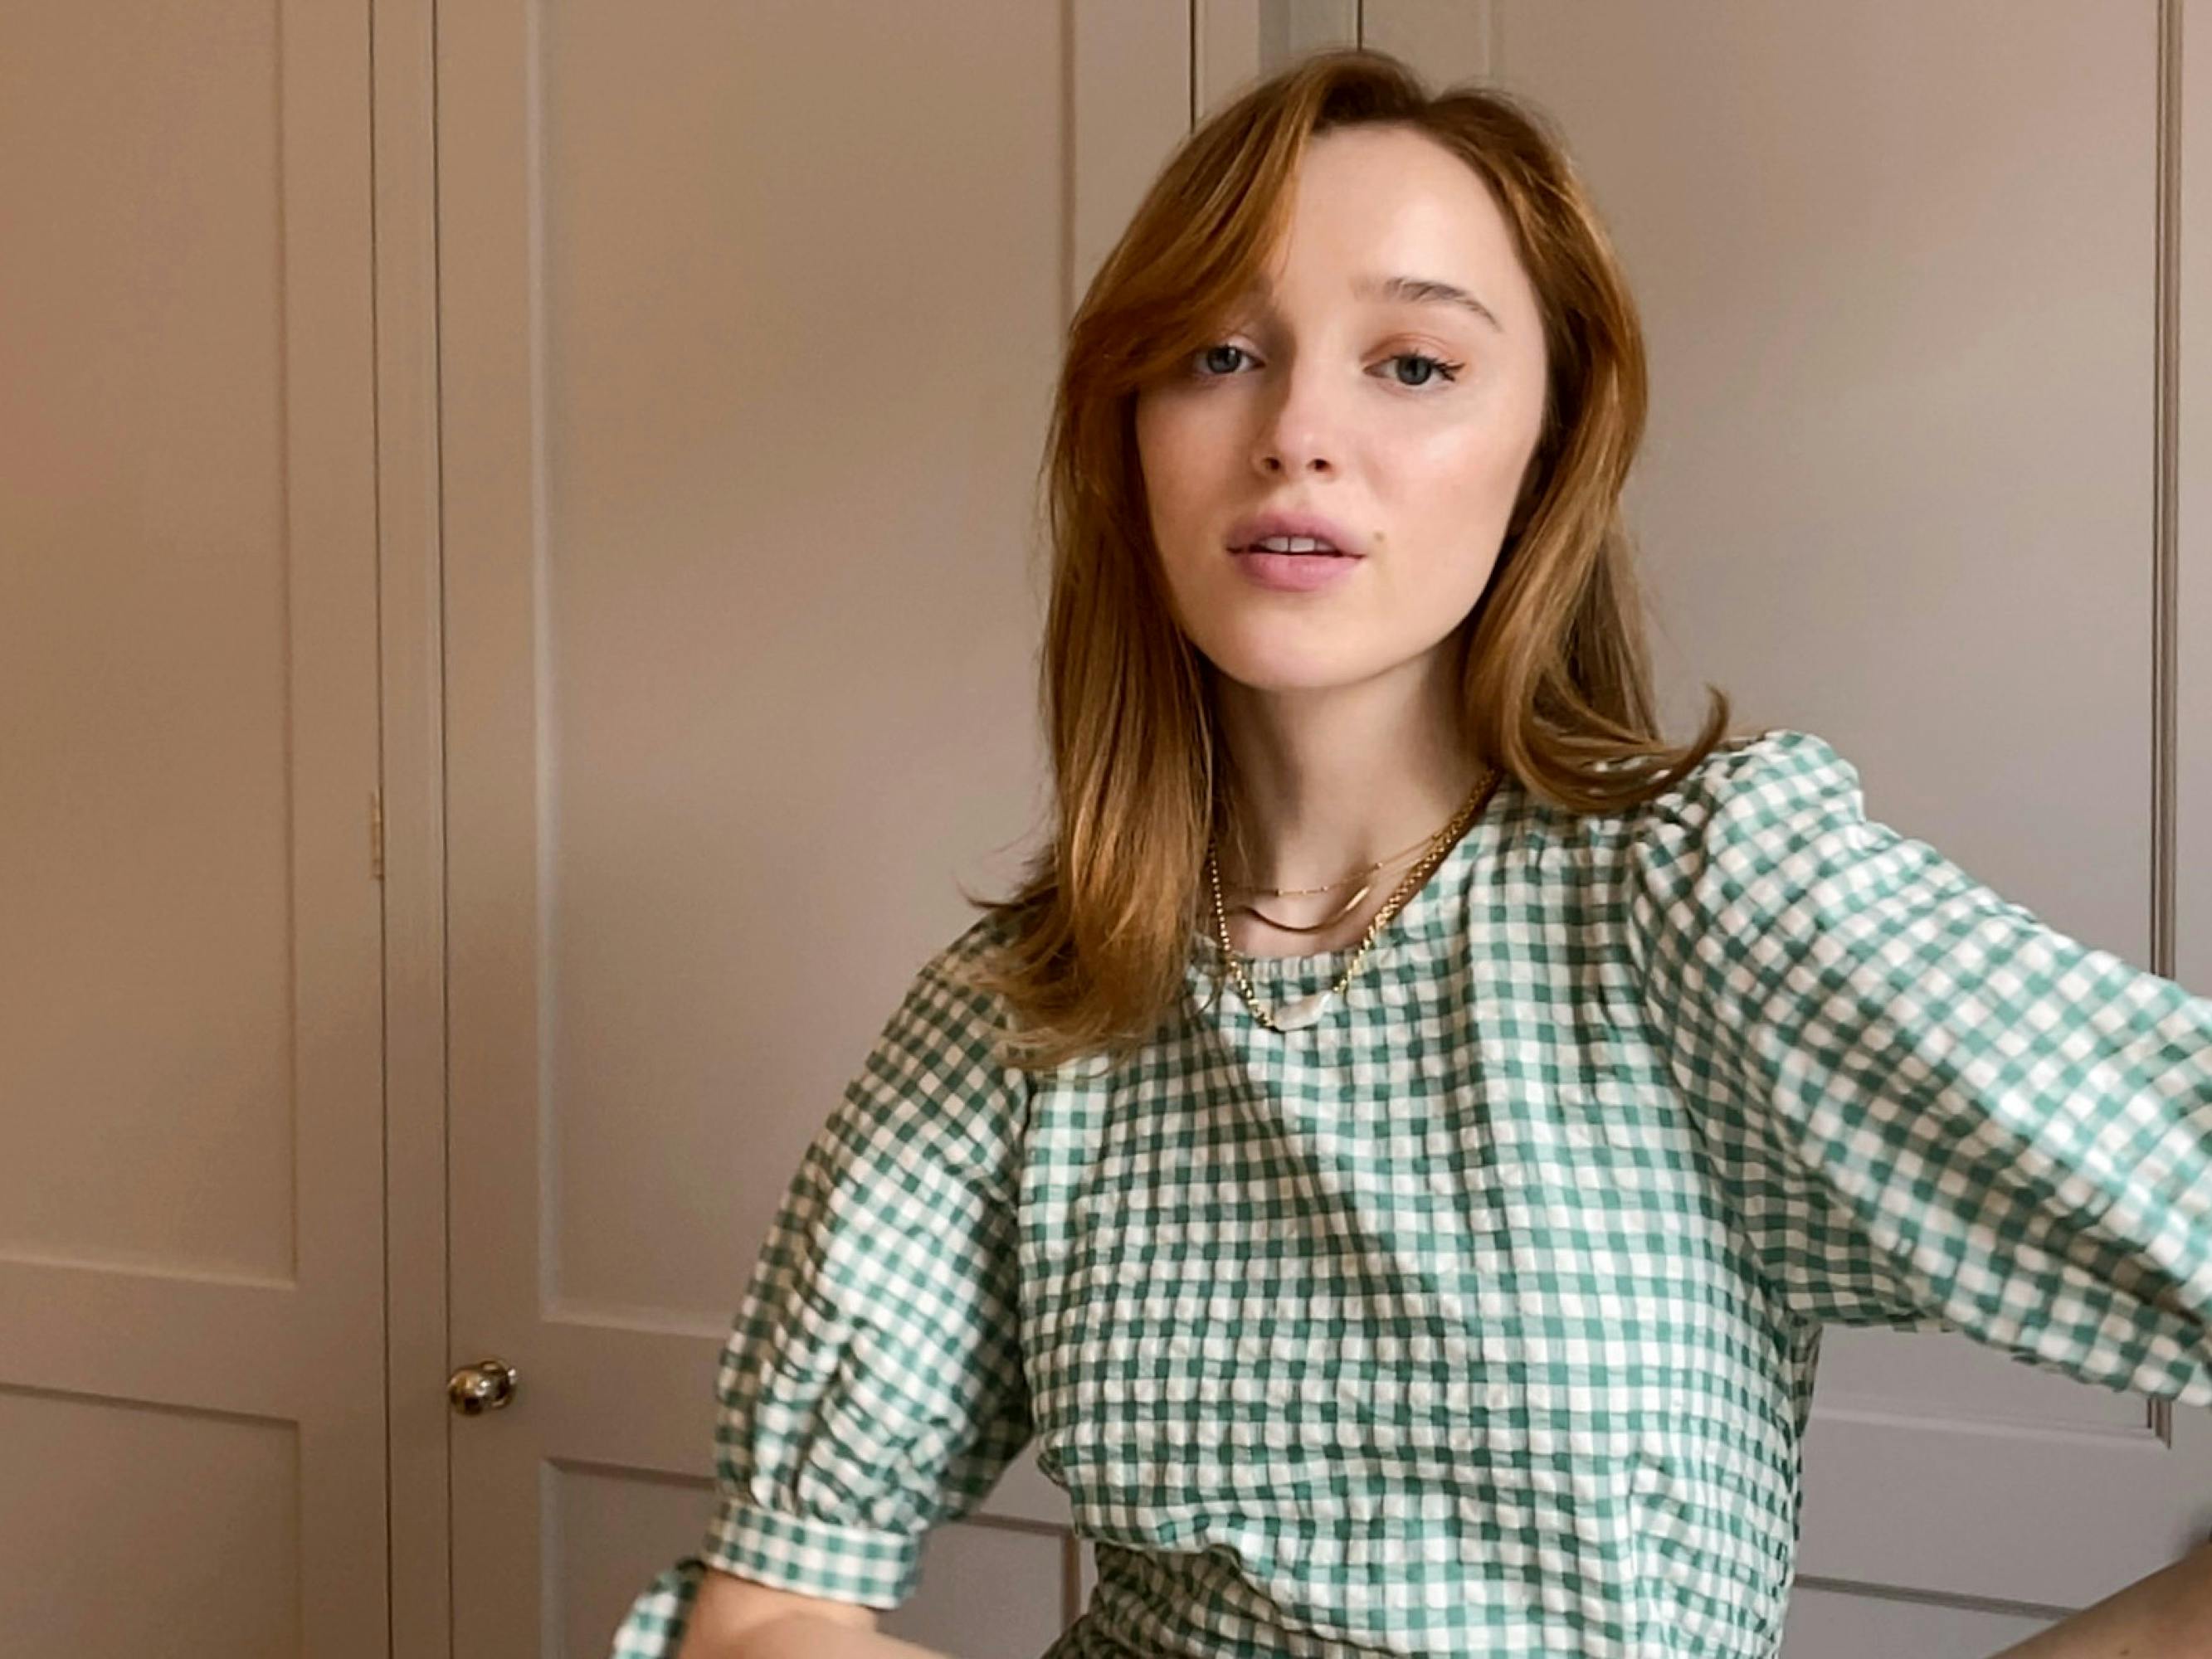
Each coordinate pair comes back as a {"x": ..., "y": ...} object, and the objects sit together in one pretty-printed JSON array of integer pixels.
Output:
[{"x": 1397, "y": 1152}]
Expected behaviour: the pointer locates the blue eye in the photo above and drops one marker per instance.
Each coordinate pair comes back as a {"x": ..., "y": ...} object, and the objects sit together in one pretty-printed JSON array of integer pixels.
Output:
[
  {"x": 1449, "y": 371},
  {"x": 1438, "y": 366}
]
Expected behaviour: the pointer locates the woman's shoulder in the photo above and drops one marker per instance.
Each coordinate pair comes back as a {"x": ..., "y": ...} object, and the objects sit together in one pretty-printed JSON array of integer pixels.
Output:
[
  {"x": 1760, "y": 786},
  {"x": 1759, "y": 782},
  {"x": 963, "y": 959}
]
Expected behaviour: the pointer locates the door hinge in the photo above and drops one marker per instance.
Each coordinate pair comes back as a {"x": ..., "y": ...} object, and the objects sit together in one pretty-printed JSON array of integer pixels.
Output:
[{"x": 375, "y": 835}]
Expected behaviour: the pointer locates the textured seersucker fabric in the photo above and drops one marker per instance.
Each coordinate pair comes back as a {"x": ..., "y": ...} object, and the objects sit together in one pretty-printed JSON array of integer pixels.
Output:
[{"x": 1482, "y": 1317}]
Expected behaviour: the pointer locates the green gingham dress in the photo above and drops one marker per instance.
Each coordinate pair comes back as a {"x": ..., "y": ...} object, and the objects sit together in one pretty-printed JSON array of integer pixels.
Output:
[{"x": 1480, "y": 1318}]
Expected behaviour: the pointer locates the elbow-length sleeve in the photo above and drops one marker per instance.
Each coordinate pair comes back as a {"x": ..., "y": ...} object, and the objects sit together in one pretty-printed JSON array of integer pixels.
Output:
[
  {"x": 1930, "y": 1108},
  {"x": 871, "y": 1384}
]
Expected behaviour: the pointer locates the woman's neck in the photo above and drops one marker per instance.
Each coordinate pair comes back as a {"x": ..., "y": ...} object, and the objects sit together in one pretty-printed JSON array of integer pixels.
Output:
[{"x": 1324, "y": 783}]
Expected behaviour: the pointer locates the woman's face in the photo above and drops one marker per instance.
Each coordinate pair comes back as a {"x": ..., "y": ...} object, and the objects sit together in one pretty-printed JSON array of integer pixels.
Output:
[{"x": 1319, "y": 400}]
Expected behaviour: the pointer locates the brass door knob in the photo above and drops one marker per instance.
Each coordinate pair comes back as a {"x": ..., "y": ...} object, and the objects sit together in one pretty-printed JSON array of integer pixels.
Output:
[{"x": 483, "y": 1387}]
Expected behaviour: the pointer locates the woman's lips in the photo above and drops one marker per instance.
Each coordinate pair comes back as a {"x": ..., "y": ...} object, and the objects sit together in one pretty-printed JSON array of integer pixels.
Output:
[{"x": 1296, "y": 572}]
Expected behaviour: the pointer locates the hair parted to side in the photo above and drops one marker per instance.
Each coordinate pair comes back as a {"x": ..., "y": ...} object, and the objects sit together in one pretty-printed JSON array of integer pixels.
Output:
[{"x": 1093, "y": 947}]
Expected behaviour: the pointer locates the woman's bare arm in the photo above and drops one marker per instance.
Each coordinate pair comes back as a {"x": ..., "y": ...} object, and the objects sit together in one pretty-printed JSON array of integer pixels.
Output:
[
  {"x": 2167, "y": 1615},
  {"x": 808, "y": 1636}
]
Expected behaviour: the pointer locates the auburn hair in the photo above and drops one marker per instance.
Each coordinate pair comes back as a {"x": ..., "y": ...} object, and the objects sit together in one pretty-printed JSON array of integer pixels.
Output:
[{"x": 1091, "y": 951}]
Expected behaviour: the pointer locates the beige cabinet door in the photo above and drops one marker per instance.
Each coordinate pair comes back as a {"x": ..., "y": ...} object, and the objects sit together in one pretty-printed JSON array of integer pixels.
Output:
[
  {"x": 749, "y": 318},
  {"x": 1900, "y": 267},
  {"x": 192, "y": 1394}
]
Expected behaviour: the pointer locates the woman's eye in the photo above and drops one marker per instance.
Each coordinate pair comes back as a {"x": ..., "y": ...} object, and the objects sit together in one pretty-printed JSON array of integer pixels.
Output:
[
  {"x": 1449, "y": 371},
  {"x": 1207, "y": 357}
]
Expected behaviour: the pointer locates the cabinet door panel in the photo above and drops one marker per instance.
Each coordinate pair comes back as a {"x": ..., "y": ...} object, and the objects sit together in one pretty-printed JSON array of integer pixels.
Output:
[
  {"x": 191, "y": 1184},
  {"x": 749, "y": 322}
]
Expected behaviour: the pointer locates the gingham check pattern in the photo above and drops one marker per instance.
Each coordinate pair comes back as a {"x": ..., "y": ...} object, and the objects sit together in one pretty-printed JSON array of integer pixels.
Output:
[{"x": 1482, "y": 1317}]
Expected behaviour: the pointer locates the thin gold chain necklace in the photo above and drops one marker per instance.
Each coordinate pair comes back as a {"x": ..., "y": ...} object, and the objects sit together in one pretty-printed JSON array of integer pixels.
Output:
[
  {"x": 1352, "y": 901},
  {"x": 1299, "y": 892},
  {"x": 1305, "y": 1011}
]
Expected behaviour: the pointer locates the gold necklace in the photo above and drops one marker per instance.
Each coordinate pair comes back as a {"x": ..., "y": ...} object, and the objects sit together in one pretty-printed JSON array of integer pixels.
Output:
[
  {"x": 1299, "y": 892},
  {"x": 1247, "y": 908},
  {"x": 1305, "y": 1011},
  {"x": 1326, "y": 922}
]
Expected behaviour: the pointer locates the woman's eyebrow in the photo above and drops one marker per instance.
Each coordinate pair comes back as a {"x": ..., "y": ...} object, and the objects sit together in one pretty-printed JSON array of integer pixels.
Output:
[
  {"x": 1424, "y": 290},
  {"x": 1416, "y": 290}
]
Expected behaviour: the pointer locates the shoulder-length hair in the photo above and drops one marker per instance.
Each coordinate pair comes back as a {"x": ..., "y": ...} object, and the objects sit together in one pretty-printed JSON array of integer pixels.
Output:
[{"x": 1092, "y": 951}]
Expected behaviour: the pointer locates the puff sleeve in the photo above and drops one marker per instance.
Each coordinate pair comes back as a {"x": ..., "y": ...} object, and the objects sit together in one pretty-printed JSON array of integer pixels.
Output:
[
  {"x": 1930, "y": 1109},
  {"x": 872, "y": 1385}
]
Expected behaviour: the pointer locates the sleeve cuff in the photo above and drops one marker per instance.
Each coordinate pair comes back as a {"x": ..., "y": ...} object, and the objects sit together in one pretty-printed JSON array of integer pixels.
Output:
[
  {"x": 865, "y": 1565},
  {"x": 654, "y": 1626}
]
